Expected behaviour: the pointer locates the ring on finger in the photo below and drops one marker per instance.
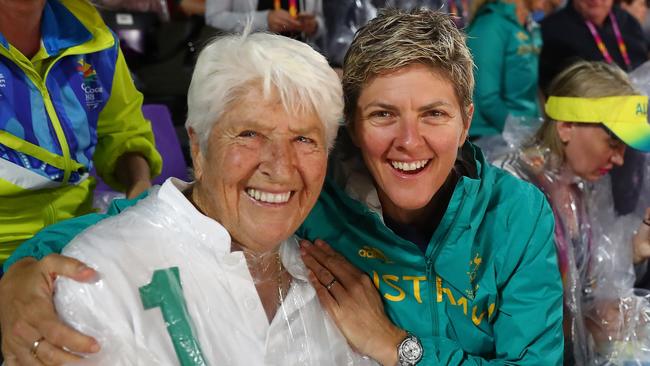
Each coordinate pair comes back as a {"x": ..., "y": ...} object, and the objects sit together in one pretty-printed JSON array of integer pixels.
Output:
[
  {"x": 35, "y": 345},
  {"x": 329, "y": 285}
]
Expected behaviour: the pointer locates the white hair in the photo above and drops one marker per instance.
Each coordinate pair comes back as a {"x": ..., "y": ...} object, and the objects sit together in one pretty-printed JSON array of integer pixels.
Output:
[{"x": 228, "y": 65}]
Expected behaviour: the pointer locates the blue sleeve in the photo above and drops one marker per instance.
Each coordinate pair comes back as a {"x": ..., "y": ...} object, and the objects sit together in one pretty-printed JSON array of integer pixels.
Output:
[{"x": 54, "y": 238}]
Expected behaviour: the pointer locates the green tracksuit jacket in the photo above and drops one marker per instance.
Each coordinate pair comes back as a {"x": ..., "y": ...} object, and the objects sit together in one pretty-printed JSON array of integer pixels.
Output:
[
  {"x": 488, "y": 290},
  {"x": 506, "y": 56}
]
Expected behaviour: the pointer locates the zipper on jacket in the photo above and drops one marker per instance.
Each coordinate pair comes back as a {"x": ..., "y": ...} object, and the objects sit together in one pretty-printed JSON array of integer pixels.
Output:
[
  {"x": 433, "y": 300},
  {"x": 27, "y": 68},
  {"x": 60, "y": 135},
  {"x": 56, "y": 123}
]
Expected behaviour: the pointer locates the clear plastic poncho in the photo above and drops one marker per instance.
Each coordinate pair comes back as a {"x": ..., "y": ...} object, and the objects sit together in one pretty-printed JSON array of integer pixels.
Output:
[
  {"x": 606, "y": 320},
  {"x": 172, "y": 291}
]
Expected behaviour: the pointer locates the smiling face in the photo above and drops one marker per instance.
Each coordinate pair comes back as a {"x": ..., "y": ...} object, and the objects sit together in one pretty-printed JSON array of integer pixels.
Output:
[
  {"x": 409, "y": 127},
  {"x": 589, "y": 150},
  {"x": 262, "y": 172}
]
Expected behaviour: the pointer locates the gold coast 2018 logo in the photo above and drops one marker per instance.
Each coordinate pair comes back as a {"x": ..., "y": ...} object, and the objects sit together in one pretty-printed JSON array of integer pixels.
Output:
[
  {"x": 90, "y": 84},
  {"x": 3, "y": 83}
]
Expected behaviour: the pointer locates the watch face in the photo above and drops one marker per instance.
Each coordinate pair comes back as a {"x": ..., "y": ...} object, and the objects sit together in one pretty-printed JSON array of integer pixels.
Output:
[{"x": 411, "y": 350}]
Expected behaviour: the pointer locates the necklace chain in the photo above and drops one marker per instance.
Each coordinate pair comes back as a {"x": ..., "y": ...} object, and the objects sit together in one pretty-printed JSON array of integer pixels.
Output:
[{"x": 279, "y": 280}]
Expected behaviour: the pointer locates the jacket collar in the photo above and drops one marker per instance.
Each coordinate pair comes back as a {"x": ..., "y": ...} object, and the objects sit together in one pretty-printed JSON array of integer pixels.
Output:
[{"x": 61, "y": 29}]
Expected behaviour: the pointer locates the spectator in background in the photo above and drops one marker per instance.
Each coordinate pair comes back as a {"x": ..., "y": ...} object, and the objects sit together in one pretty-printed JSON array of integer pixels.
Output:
[
  {"x": 506, "y": 43},
  {"x": 301, "y": 19},
  {"x": 597, "y": 30},
  {"x": 592, "y": 30},
  {"x": 593, "y": 114},
  {"x": 637, "y": 8},
  {"x": 67, "y": 103}
]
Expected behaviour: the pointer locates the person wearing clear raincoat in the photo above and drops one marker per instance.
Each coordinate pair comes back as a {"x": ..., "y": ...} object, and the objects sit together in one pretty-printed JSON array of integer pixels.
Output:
[
  {"x": 593, "y": 115},
  {"x": 209, "y": 272}
]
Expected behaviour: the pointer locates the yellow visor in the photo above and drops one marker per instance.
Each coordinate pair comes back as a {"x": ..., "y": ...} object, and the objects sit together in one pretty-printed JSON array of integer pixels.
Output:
[{"x": 625, "y": 116}]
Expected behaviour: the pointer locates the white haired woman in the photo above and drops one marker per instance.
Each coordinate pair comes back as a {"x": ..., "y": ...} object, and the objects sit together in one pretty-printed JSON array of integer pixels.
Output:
[
  {"x": 217, "y": 255},
  {"x": 462, "y": 253}
]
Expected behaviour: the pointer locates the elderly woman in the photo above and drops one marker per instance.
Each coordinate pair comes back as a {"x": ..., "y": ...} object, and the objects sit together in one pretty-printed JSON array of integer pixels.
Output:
[
  {"x": 458, "y": 254},
  {"x": 217, "y": 256},
  {"x": 593, "y": 112}
]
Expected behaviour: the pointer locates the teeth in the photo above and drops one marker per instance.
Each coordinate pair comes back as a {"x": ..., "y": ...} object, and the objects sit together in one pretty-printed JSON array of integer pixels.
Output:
[
  {"x": 409, "y": 166},
  {"x": 267, "y": 196}
]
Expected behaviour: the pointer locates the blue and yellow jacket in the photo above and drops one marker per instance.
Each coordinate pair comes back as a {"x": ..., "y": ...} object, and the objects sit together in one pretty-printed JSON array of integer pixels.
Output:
[
  {"x": 487, "y": 291},
  {"x": 70, "y": 108}
]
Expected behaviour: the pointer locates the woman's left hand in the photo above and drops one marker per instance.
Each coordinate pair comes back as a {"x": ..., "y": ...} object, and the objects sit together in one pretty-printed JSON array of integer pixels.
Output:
[
  {"x": 642, "y": 240},
  {"x": 354, "y": 303}
]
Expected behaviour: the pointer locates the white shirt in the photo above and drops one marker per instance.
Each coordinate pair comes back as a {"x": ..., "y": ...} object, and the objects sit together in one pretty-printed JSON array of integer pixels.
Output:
[{"x": 227, "y": 317}]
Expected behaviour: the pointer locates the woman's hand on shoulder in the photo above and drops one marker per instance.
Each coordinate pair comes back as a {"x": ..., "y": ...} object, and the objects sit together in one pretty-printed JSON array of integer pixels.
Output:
[
  {"x": 32, "y": 333},
  {"x": 353, "y": 302}
]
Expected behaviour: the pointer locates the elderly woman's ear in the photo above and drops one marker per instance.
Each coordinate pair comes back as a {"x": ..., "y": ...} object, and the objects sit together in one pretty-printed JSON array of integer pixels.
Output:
[{"x": 196, "y": 152}]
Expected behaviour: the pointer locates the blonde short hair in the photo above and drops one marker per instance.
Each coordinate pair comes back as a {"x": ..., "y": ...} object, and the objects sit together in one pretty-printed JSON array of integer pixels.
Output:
[{"x": 400, "y": 38}]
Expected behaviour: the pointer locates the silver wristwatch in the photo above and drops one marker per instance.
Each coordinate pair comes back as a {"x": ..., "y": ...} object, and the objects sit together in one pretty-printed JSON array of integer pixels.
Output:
[{"x": 409, "y": 351}]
